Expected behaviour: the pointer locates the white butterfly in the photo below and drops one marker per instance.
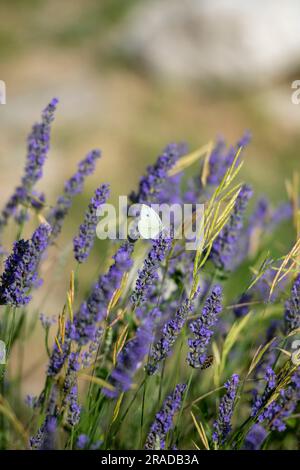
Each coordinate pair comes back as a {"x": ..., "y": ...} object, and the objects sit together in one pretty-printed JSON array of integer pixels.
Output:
[{"x": 149, "y": 224}]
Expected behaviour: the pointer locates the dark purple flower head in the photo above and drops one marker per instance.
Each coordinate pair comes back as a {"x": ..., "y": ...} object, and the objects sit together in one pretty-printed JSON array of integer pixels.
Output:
[
  {"x": 72, "y": 187},
  {"x": 292, "y": 308},
  {"x": 94, "y": 309},
  {"x": 163, "y": 422},
  {"x": 170, "y": 332},
  {"x": 20, "y": 273},
  {"x": 202, "y": 328},
  {"x": 225, "y": 246},
  {"x": 222, "y": 425},
  {"x": 152, "y": 183},
  {"x": 38, "y": 146},
  {"x": 84, "y": 241},
  {"x": 37, "y": 150},
  {"x": 148, "y": 274},
  {"x": 255, "y": 437}
]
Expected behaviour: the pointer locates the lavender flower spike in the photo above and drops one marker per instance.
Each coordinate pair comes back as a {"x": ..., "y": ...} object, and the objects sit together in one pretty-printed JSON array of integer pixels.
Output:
[
  {"x": 84, "y": 241},
  {"x": 280, "y": 408},
  {"x": 260, "y": 401},
  {"x": 72, "y": 187},
  {"x": 148, "y": 274},
  {"x": 225, "y": 246},
  {"x": 37, "y": 149},
  {"x": 94, "y": 308},
  {"x": 38, "y": 146},
  {"x": 131, "y": 358},
  {"x": 170, "y": 332},
  {"x": 151, "y": 184},
  {"x": 292, "y": 308},
  {"x": 222, "y": 425},
  {"x": 20, "y": 273},
  {"x": 156, "y": 439},
  {"x": 201, "y": 328}
]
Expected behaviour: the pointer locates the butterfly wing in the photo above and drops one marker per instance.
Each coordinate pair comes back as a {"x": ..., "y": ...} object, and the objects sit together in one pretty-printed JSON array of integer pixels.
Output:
[{"x": 149, "y": 224}]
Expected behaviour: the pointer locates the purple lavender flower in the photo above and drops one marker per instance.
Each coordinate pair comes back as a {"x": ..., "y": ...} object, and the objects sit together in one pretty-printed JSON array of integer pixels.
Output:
[
  {"x": 148, "y": 274},
  {"x": 70, "y": 389},
  {"x": 37, "y": 149},
  {"x": 282, "y": 407},
  {"x": 60, "y": 354},
  {"x": 222, "y": 425},
  {"x": 88, "y": 355},
  {"x": 202, "y": 328},
  {"x": 241, "y": 309},
  {"x": 46, "y": 321},
  {"x": 131, "y": 358},
  {"x": 280, "y": 214},
  {"x": 163, "y": 422},
  {"x": 151, "y": 184},
  {"x": 260, "y": 401},
  {"x": 45, "y": 437},
  {"x": 170, "y": 192},
  {"x": 58, "y": 358},
  {"x": 38, "y": 146},
  {"x": 82, "y": 441},
  {"x": 72, "y": 187},
  {"x": 292, "y": 308},
  {"x": 221, "y": 158},
  {"x": 226, "y": 244},
  {"x": 255, "y": 437},
  {"x": 170, "y": 332},
  {"x": 20, "y": 273},
  {"x": 260, "y": 214},
  {"x": 74, "y": 409},
  {"x": 268, "y": 359},
  {"x": 94, "y": 308},
  {"x": 31, "y": 401},
  {"x": 84, "y": 241}
]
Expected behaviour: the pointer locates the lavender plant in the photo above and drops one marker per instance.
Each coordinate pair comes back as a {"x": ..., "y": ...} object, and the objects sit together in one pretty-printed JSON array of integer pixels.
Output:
[{"x": 153, "y": 323}]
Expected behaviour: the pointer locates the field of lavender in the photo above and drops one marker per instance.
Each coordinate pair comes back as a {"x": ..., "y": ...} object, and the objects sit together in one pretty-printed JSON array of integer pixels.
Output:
[{"x": 168, "y": 348}]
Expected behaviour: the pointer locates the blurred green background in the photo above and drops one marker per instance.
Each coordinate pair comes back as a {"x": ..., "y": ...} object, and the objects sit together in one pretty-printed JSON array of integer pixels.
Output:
[{"x": 133, "y": 75}]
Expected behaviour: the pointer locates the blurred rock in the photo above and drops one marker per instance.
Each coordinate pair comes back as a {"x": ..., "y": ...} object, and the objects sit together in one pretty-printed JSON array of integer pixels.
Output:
[{"x": 228, "y": 40}]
